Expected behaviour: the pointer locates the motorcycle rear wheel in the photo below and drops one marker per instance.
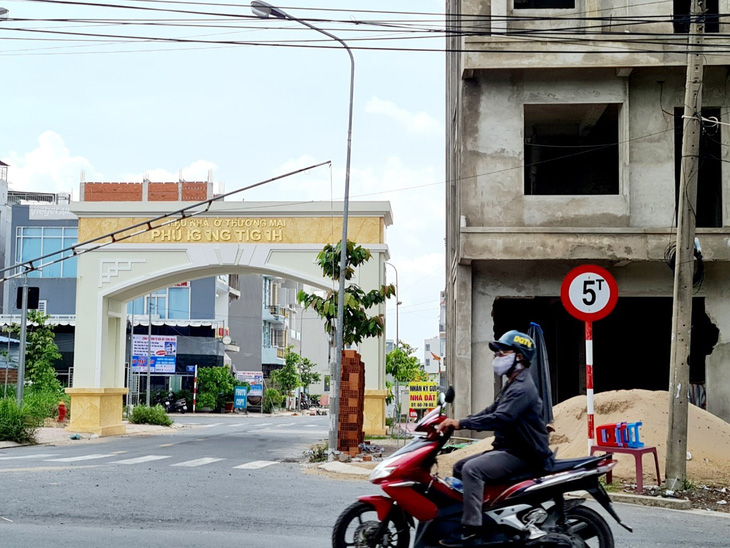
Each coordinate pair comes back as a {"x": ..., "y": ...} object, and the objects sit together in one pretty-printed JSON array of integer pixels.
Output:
[
  {"x": 588, "y": 524},
  {"x": 358, "y": 523}
]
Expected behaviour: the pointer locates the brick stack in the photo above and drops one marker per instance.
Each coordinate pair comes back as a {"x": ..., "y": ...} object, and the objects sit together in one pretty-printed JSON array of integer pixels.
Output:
[{"x": 352, "y": 402}]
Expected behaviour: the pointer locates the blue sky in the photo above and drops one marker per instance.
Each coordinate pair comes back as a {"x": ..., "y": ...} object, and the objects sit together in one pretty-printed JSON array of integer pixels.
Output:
[{"x": 117, "y": 110}]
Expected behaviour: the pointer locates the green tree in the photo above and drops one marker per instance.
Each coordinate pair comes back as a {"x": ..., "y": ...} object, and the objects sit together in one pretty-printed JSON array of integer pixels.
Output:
[
  {"x": 288, "y": 377},
  {"x": 403, "y": 365},
  {"x": 307, "y": 373},
  {"x": 358, "y": 325},
  {"x": 41, "y": 353},
  {"x": 215, "y": 386}
]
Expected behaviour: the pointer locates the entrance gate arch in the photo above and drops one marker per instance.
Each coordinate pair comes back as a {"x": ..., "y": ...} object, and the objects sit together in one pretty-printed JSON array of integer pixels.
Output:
[{"x": 277, "y": 238}]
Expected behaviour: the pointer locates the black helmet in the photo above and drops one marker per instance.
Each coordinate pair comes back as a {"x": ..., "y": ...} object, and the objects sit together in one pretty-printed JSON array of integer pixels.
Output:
[{"x": 517, "y": 341}]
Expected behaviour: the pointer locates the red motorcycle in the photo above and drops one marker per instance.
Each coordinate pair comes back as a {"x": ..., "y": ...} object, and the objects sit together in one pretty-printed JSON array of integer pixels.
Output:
[{"x": 526, "y": 511}]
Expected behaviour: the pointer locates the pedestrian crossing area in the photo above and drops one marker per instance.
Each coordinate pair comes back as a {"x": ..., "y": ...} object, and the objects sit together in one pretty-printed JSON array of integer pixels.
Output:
[{"x": 113, "y": 459}]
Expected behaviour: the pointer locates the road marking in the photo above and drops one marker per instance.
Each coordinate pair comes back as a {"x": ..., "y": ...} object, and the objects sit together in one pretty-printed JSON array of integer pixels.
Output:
[
  {"x": 308, "y": 432},
  {"x": 47, "y": 468},
  {"x": 38, "y": 456},
  {"x": 83, "y": 457},
  {"x": 256, "y": 464},
  {"x": 166, "y": 445},
  {"x": 311, "y": 425},
  {"x": 210, "y": 425},
  {"x": 140, "y": 460},
  {"x": 197, "y": 462},
  {"x": 118, "y": 452}
]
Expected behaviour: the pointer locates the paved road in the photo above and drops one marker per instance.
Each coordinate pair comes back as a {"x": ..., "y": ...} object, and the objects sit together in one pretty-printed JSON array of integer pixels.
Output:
[{"x": 228, "y": 482}]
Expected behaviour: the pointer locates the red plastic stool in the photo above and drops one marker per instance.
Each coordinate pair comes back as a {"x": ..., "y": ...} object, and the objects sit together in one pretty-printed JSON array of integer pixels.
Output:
[{"x": 638, "y": 453}]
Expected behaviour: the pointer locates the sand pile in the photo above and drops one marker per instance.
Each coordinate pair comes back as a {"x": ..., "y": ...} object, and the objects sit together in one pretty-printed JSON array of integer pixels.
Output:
[{"x": 708, "y": 436}]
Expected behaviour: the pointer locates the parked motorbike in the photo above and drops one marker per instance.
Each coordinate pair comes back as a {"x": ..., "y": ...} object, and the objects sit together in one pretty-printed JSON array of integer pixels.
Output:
[
  {"x": 179, "y": 406},
  {"x": 525, "y": 511},
  {"x": 165, "y": 400}
]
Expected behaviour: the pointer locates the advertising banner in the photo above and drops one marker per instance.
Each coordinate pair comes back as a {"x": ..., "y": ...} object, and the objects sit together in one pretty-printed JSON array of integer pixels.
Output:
[
  {"x": 254, "y": 378},
  {"x": 163, "y": 353},
  {"x": 239, "y": 397},
  {"x": 422, "y": 395}
]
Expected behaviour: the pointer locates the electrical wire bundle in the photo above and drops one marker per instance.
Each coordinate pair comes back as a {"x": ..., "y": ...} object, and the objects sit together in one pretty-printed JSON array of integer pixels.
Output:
[{"x": 670, "y": 254}]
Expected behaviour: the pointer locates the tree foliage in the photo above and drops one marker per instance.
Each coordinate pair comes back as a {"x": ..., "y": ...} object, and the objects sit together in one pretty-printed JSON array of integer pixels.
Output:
[
  {"x": 307, "y": 373},
  {"x": 358, "y": 325},
  {"x": 41, "y": 353},
  {"x": 288, "y": 377},
  {"x": 215, "y": 386},
  {"x": 403, "y": 365}
]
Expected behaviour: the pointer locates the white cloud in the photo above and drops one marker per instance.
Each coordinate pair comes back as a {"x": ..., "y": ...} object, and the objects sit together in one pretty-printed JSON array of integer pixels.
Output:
[
  {"x": 48, "y": 168},
  {"x": 414, "y": 122}
]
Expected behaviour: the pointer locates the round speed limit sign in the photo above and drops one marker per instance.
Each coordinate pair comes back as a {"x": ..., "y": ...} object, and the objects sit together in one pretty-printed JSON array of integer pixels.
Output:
[{"x": 589, "y": 293}]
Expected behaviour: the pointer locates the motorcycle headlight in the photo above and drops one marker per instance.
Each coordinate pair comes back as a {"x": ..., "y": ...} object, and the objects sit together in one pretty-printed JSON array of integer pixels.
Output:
[{"x": 381, "y": 472}]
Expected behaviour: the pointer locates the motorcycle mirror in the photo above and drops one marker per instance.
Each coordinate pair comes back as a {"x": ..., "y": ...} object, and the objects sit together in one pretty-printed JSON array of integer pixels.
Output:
[{"x": 450, "y": 395}]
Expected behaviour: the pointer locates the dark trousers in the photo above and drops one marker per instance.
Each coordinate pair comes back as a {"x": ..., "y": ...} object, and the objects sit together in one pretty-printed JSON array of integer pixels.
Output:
[{"x": 486, "y": 468}]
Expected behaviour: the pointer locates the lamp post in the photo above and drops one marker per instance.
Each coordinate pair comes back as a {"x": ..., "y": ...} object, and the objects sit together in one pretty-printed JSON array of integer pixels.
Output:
[
  {"x": 397, "y": 340},
  {"x": 3, "y": 13},
  {"x": 397, "y": 304},
  {"x": 264, "y": 10}
]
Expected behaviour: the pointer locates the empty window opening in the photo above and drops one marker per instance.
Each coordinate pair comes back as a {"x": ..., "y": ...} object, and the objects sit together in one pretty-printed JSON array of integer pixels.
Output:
[
  {"x": 709, "y": 175},
  {"x": 544, "y": 4},
  {"x": 631, "y": 346},
  {"x": 572, "y": 149},
  {"x": 681, "y": 20}
]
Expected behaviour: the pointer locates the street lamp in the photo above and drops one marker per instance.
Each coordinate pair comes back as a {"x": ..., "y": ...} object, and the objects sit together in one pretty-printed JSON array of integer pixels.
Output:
[
  {"x": 397, "y": 304},
  {"x": 264, "y": 10},
  {"x": 3, "y": 13}
]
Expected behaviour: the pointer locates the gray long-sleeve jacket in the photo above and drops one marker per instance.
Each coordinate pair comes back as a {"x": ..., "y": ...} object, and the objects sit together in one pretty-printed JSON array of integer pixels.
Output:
[{"x": 516, "y": 419}]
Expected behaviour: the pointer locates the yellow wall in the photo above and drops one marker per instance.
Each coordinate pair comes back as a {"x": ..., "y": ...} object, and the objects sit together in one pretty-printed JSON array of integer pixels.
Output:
[{"x": 206, "y": 230}]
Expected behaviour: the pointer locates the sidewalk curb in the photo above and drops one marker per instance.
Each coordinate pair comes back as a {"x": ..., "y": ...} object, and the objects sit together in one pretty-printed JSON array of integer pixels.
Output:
[{"x": 658, "y": 502}]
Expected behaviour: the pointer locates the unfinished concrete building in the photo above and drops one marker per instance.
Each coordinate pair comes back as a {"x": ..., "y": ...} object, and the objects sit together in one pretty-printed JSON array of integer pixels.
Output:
[{"x": 564, "y": 131}]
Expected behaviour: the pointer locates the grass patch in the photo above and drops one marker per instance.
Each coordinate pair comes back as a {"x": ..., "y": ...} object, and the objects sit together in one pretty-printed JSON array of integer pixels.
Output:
[
  {"x": 43, "y": 404},
  {"x": 317, "y": 453},
  {"x": 16, "y": 422},
  {"x": 609, "y": 487},
  {"x": 150, "y": 415}
]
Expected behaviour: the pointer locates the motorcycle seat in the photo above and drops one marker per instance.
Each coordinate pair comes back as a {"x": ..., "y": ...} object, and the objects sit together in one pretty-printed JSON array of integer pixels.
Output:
[{"x": 561, "y": 465}]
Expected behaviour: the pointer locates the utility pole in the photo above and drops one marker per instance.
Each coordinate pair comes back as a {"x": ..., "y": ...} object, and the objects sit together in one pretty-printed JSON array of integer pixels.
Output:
[
  {"x": 20, "y": 384},
  {"x": 676, "y": 466}
]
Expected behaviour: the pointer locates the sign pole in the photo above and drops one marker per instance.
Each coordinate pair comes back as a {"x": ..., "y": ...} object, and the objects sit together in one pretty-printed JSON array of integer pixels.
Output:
[
  {"x": 589, "y": 384},
  {"x": 149, "y": 345},
  {"x": 195, "y": 388},
  {"x": 589, "y": 293}
]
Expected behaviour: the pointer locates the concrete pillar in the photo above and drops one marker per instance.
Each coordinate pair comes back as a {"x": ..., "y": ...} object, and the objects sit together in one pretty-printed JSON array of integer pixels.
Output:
[
  {"x": 461, "y": 322},
  {"x": 482, "y": 374}
]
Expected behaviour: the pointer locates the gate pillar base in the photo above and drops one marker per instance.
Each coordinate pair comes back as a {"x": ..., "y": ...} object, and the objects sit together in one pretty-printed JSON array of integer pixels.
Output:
[
  {"x": 97, "y": 411},
  {"x": 374, "y": 412}
]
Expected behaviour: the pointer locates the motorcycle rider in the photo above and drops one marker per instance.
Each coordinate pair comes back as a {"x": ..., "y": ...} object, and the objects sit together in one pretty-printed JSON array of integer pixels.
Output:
[{"x": 520, "y": 435}]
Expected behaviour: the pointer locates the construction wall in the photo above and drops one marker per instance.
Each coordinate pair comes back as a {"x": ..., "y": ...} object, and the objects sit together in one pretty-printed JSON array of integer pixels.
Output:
[{"x": 181, "y": 191}]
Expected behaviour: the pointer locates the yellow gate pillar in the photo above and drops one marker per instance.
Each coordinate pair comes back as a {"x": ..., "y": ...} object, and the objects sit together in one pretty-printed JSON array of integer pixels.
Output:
[{"x": 97, "y": 407}]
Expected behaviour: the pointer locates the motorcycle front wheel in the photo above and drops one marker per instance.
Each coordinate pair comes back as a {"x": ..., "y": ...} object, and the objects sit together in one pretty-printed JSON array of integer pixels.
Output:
[
  {"x": 588, "y": 524},
  {"x": 358, "y": 524}
]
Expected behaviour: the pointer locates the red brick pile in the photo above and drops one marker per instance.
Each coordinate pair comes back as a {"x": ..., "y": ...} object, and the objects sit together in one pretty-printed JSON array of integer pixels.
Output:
[{"x": 352, "y": 402}]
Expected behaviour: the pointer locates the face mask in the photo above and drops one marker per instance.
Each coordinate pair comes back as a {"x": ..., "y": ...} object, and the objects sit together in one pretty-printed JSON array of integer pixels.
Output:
[{"x": 502, "y": 364}]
